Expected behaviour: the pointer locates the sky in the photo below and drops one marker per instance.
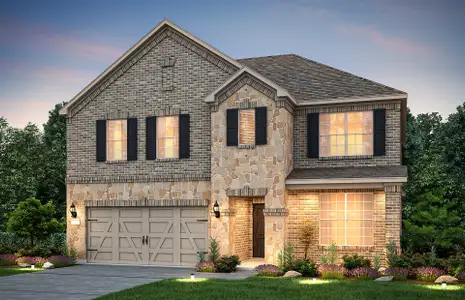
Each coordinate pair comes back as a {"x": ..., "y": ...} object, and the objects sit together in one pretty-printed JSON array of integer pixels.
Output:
[{"x": 50, "y": 50}]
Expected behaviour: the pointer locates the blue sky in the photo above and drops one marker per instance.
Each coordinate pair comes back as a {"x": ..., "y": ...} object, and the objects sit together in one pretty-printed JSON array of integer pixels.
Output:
[{"x": 50, "y": 50}]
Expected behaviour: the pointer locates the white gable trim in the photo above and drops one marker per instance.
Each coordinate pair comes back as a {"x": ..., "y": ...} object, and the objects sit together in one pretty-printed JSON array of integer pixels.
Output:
[
  {"x": 401, "y": 179},
  {"x": 280, "y": 92},
  {"x": 354, "y": 100},
  {"x": 64, "y": 110}
]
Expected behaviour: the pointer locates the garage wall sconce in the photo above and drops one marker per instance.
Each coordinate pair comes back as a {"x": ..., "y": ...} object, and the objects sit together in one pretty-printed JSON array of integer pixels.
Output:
[
  {"x": 216, "y": 209},
  {"x": 72, "y": 210}
]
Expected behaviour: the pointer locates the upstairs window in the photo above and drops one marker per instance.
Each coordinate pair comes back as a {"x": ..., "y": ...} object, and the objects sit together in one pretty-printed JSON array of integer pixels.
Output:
[
  {"x": 247, "y": 127},
  {"x": 168, "y": 137},
  {"x": 346, "y": 134},
  {"x": 116, "y": 140}
]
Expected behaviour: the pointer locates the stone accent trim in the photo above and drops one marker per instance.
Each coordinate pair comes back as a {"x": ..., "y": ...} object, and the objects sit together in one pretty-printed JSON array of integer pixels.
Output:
[
  {"x": 285, "y": 103},
  {"x": 246, "y": 191},
  {"x": 116, "y": 115},
  {"x": 135, "y": 57},
  {"x": 148, "y": 203},
  {"x": 245, "y": 146},
  {"x": 227, "y": 212},
  {"x": 348, "y": 108},
  {"x": 327, "y": 191},
  {"x": 356, "y": 157},
  {"x": 260, "y": 200},
  {"x": 167, "y": 62},
  {"x": 275, "y": 212},
  {"x": 393, "y": 188},
  {"x": 349, "y": 248},
  {"x": 242, "y": 80},
  {"x": 167, "y": 111},
  {"x": 135, "y": 178}
]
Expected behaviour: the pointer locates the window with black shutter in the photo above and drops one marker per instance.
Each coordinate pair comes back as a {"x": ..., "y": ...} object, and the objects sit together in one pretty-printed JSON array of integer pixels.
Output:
[
  {"x": 313, "y": 128},
  {"x": 150, "y": 138},
  {"x": 379, "y": 131},
  {"x": 132, "y": 139},
  {"x": 101, "y": 140},
  {"x": 184, "y": 136},
  {"x": 260, "y": 125},
  {"x": 232, "y": 127}
]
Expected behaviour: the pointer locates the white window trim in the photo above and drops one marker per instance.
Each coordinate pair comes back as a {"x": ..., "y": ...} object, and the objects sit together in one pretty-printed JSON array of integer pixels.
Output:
[
  {"x": 156, "y": 138},
  {"x": 108, "y": 141},
  {"x": 346, "y": 143},
  {"x": 239, "y": 127},
  {"x": 345, "y": 220}
]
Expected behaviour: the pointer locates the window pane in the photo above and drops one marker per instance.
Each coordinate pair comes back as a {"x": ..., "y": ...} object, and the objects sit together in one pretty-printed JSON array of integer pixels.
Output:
[
  {"x": 116, "y": 140},
  {"x": 167, "y": 137},
  {"x": 247, "y": 127}
]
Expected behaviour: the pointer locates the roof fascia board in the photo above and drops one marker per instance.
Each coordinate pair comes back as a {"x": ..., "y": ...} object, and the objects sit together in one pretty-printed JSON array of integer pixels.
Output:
[
  {"x": 280, "y": 92},
  {"x": 353, "y": 100},
  {"x": 64, "y": 110},
  {"x": 346, "y": 180}
]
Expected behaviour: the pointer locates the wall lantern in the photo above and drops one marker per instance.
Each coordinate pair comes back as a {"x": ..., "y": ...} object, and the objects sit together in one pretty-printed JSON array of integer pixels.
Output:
[
  {"x": 216, "y": 209},
  {"x": 72, "y": 210}
]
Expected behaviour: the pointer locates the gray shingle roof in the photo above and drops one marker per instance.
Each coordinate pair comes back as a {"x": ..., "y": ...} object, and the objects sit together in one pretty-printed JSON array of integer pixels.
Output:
[
  {"x": 308, "y": 80},
  {"x": 348, "y": 172}
]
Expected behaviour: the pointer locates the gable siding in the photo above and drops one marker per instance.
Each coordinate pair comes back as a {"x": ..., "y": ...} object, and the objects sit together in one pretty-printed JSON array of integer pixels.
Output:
[
  {"x": 138, "y": 93},
  {"x": 393, "y": 141}
]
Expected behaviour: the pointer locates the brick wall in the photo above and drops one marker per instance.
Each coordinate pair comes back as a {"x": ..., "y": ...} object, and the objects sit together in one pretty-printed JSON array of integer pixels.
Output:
[
  {"x": 138, "y": 93},
  {"x": 242, "y": 227},
  {"x": 303, "y": 206},
  {"x": 393, "y": 136}
]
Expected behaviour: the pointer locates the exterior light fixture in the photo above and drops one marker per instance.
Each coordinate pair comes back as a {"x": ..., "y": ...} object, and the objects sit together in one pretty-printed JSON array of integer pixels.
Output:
[
  {"x": 32, "y": 267},
  {"x": 192, "y": 276},
  {"x": 72, "y": 210},
  {"x": 216, "y": 209},
  {"x": 314, "y": 280},
  {"x": 444, "y": 285}
]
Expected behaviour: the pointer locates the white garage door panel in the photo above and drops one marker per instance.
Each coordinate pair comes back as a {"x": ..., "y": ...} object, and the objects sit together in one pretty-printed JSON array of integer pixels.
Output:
[{"x": 175, "y": 235}]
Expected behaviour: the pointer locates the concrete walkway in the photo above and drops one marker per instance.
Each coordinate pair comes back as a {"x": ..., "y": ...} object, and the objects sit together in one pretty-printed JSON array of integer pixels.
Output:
[{"x": 90, "y": 281}]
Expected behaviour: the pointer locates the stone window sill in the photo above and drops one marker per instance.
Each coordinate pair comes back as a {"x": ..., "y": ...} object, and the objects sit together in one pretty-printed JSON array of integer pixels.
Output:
[
  {"x": 116, "y": 162},
  {"x": 352, "y": 157},
  {"x": 246, "y": 146},
  {"x": 166, "y": 159},
  {"x": 363, "y": 248}
]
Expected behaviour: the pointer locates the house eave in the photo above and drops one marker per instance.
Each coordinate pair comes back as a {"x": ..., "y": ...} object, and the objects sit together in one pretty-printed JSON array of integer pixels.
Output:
[
  {"x": 346, "y": 180},
  {"x": 354, "y": 100},
  {"x": 64, "y": 110}
]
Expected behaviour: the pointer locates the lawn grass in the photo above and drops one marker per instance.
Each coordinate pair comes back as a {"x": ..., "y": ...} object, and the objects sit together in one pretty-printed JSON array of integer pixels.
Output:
[
  {"x": 288, "y": 289},
  {"x": 5, "y": 271}
]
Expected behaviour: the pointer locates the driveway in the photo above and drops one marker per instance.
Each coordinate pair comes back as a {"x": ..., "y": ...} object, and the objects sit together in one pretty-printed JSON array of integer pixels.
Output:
[{"x": 90, "y": 281}]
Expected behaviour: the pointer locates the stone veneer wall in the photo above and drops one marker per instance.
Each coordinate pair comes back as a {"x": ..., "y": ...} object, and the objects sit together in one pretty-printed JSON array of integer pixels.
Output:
[
  {"x": 80, "y": 193},
  {"x": 262, "y": 167},
  {"x": 393, "y": 136},
  {"x": 303, "y": 207}
]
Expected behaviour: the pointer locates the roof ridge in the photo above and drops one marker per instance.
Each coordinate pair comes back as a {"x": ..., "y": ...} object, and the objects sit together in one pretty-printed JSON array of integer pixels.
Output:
[{"x": 275, "y": 55}]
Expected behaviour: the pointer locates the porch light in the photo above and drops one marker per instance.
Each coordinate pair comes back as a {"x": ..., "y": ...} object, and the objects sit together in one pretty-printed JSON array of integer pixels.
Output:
[
  {"x": 216, "y": 209},
  {"x": 72, "y": 209},
  {"x": 192, "y": 276}
]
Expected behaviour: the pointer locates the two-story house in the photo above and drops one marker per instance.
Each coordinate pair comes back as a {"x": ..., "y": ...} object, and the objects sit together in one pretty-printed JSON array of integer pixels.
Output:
[{"x": 175, "y": 129}]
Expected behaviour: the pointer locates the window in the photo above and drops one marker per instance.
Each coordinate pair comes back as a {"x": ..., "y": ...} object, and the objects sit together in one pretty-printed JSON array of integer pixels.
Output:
[
  {"x": 346, "y": 219},
  {"x": 116, "y": 140},
  {"x": 346, "y": 134},
  {"x": 247, "y": 127},
  {"x": 168, "y": 137}
]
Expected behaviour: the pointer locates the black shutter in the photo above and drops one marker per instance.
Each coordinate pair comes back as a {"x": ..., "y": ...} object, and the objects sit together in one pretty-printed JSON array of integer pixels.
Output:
[
  {"x": 313, "y": 135},
  {"x": 150, "y": 138},
  {"x": 232, "y": 127},
  {"x": 101, "y": 140},
  {"x": 260, "y": 126},
  {"x": 379, "y": 132},
  {"x": 132, "y": 138},
  {"x": 184, "y": 136}
]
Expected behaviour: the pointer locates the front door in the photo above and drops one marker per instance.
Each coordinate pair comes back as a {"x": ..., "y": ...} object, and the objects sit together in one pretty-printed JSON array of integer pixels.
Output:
[{"x": 258, "y": 231}]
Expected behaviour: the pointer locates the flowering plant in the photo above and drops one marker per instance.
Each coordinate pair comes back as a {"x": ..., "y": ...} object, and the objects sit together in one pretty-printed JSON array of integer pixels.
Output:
[
  {"x": 206, "y": 266},
  {"x": 364, "y": 273},
  {"x": 332, "y": 271},
  {"x": 59, "y": 261},
  {"x": 268, "y": 270},
  {"x": 398, "y": 273},
  {"x": 428, "y": 273},
  {"x": 7, "y": 260}
]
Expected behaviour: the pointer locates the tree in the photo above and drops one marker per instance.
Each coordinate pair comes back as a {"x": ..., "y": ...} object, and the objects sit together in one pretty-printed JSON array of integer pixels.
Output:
[
  {"x": 52, "y": 183},
  {"x": 434, "y": 224},
  {"x": 305, "y": 237},
  {"x": 33, "y": 220}
]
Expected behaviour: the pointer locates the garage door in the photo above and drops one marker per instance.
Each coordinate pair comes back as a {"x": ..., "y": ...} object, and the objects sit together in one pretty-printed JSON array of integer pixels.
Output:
[{"x": 157, "y": 236}]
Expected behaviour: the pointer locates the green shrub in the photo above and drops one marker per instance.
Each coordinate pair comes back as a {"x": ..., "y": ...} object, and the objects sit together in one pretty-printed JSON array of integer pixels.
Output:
[
  {"x": 376, "y": 262},
  {"x": 306, "y": 268},
  {"x": 355, "y": 261},
  {"x": 60, "y": 261},
  {"x": 206, "y": 266},
  {"x": 286, "y": 258},
  {"x": 227, "y": 264},
  {"x": 332, "y": 272},
  {"x": 214, "y": 250},
  {"x": 305, "y": 237},
  {"x": 7, "y": 260},
  {"x": 202, "y": 257}
]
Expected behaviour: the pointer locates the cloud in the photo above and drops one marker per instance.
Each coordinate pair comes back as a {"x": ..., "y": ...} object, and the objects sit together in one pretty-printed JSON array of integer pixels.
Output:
[
  {"x": 393, "y": 43},
  {"x": 14, "y": 33}
]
